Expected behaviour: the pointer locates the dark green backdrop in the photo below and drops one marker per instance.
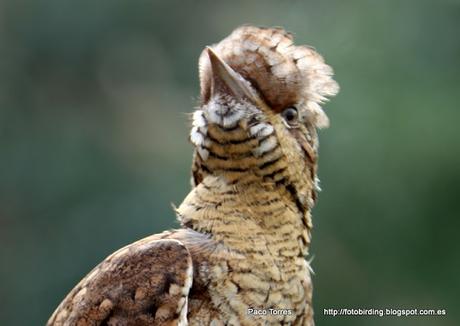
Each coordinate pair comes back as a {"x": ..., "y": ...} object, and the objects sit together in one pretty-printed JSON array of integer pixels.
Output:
[{"x": 94, "y": 97}]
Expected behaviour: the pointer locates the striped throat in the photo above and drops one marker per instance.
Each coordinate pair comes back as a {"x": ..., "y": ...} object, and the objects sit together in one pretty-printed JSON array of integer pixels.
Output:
[
  {"x": 256, "y": 125},
  {"x": 244, "y": 156}
]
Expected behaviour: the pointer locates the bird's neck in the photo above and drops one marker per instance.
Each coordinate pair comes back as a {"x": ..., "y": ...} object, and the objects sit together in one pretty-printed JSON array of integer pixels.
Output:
[
  {"x": 252, "y": 182},
  {"x": 248, "y": 215}
]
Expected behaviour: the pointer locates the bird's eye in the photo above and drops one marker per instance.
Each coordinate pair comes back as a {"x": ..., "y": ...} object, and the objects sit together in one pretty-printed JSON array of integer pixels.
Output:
[{"x": 290, "y": 114}]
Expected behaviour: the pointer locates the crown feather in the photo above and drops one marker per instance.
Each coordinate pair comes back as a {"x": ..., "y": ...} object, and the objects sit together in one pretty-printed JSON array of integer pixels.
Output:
[{"x": 284, "y": 74}]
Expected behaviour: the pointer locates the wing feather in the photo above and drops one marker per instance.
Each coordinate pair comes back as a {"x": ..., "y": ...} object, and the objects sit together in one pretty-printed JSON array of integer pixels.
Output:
[{"x": 145, "y": 283}]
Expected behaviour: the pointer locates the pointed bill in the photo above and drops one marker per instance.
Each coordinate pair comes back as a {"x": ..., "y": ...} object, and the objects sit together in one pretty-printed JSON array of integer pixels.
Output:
[{"x": 225, "y": 79}]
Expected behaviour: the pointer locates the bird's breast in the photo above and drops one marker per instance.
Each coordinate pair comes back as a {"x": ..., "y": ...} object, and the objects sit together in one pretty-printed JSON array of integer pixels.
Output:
[{"x": 254, "y": 289}]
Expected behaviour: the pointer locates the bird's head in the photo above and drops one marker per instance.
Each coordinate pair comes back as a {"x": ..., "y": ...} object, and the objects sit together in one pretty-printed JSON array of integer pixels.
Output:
[{"x": 260, "y": 107}]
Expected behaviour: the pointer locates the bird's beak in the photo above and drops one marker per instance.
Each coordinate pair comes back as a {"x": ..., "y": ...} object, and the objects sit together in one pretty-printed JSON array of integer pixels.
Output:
[{"x": 225, "y": 80}]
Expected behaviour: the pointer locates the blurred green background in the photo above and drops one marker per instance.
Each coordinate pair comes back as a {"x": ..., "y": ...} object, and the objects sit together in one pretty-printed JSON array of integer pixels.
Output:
[{"x": 93, "y": 143}]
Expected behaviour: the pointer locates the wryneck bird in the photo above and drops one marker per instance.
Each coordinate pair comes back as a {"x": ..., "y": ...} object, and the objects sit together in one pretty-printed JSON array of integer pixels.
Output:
[{"x": 239, "y": 257}]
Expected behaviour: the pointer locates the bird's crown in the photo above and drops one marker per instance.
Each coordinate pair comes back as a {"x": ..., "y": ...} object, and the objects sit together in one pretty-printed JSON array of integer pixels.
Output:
[{"x": 281, "y": 73}]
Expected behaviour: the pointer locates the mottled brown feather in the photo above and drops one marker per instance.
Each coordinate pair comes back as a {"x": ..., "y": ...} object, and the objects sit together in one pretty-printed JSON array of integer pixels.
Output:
[
  {"x": 268, "y": 59},
  {"x": 141, "y": 284}
]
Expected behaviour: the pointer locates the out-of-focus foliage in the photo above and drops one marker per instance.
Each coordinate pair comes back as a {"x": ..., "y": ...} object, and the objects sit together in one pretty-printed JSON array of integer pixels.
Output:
[{"x": 94, "y": 97}]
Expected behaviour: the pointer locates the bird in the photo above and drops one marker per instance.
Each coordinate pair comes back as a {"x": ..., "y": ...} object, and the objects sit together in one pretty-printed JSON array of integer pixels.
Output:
[{"x": 240, "y": 254}]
